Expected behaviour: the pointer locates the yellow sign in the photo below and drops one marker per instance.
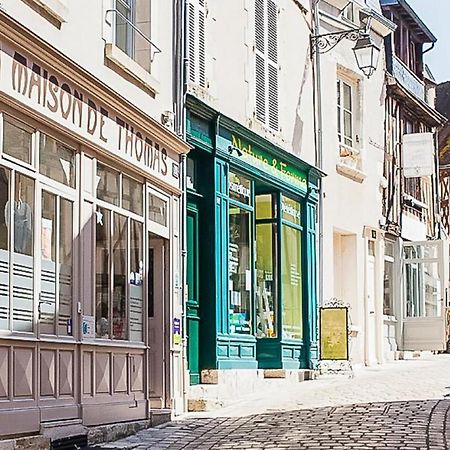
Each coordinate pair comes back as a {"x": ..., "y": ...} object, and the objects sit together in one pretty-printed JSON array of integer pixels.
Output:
[{"x": 333, "y": 334}]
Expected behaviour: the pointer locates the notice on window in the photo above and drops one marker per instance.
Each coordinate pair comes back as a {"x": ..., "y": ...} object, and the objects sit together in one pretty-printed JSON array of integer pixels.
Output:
[
  {"x": 334, "y": 333},
  {"x": 88, "y": 327}
]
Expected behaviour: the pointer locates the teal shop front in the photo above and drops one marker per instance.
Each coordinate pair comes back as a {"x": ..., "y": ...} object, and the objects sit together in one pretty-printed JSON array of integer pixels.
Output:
[{"x": 251, "y": 250}]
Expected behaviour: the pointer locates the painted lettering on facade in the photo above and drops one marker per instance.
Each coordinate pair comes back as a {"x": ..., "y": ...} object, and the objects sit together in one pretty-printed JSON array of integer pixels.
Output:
[
  {"x": 42, "y": 89},
  {"x": 268, "y": 162}
]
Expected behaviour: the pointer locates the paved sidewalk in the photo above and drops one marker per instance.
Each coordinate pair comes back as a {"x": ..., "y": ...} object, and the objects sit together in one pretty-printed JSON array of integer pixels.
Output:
[{"x": 401, "y": 405}]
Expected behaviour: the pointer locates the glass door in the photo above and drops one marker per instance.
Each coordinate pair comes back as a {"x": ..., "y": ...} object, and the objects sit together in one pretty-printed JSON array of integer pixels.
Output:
[{"x": 425, "y": 295}]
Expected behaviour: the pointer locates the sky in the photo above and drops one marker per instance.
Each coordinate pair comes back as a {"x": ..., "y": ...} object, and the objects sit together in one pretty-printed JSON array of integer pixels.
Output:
[{"x": 435, "y": 14}]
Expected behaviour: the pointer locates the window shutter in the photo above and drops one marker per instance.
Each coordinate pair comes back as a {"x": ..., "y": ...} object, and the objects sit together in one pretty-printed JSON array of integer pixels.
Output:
[
  {"x": 196, "y": 42},
  {"x": 266, "y": 62}
]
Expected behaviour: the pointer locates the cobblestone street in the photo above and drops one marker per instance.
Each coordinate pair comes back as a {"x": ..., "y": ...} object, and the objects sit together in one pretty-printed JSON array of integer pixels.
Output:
[{"x": 401, "y": 405}]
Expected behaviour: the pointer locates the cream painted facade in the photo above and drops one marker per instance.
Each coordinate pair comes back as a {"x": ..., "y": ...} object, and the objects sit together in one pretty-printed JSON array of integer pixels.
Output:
[
  {"x": 353, "y": 265},
  {"x": 91, "y": 299}
]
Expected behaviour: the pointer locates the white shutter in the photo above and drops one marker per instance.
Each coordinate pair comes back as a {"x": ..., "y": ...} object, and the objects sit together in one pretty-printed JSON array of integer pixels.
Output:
[
  {"x": 196, "y": 15},
  {"x": 266, "y": 62}
]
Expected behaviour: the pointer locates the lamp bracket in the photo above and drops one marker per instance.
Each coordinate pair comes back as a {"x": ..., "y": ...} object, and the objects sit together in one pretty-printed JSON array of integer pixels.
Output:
[{"x": 323, "y": 43}]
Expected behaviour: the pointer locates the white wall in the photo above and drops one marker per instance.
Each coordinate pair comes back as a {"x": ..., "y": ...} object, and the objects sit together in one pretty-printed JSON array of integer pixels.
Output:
[{"x": 80, "y": 38}]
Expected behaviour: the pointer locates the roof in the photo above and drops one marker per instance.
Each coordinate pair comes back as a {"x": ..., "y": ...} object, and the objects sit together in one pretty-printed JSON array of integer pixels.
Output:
[{"x": 409, "y": 15}]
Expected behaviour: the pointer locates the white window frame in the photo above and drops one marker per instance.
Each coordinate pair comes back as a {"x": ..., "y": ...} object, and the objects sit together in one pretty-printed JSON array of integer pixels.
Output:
[{"x": 348, "y": 141}]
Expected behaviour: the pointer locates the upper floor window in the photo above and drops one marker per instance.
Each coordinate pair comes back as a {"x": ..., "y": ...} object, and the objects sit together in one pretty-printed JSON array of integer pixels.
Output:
[
  {"x": 132, "y": 30},
  {"x": 345, "y": 113},
  {"x": 349, "y": 12},
  {"x": 266, "y": 62},
  {"x": 406, "y": 48}
]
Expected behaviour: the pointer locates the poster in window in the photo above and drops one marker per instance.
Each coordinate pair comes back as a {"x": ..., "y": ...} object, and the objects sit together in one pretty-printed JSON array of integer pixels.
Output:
[{"x": 334, "y": 333}]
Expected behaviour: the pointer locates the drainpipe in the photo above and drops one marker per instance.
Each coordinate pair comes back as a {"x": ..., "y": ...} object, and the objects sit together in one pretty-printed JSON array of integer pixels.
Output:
[
  {"x": 179, "y": 82},
  {"x": 318, "y": 125}
]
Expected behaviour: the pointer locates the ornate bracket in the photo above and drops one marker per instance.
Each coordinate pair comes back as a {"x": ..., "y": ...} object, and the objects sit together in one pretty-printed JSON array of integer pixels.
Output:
[{"x": 323, "y": 43}]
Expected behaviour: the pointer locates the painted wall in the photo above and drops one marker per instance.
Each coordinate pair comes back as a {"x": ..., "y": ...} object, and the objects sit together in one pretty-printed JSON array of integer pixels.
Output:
[{"x": 352, "y": 199}]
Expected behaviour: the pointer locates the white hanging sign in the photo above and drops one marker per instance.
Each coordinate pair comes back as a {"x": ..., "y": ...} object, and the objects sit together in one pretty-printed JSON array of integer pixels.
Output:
[{"x": 418, "y": 155}]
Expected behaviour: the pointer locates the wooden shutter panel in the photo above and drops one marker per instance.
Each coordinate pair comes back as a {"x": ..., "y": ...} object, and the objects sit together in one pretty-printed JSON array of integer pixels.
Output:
[
  {"x": 196, "y": 42},
  {"x": 272, "y": 40},
  {"x": 260, "y": 86}
]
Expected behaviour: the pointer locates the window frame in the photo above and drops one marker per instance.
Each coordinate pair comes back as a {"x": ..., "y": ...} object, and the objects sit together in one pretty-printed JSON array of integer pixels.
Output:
[{"x": 341, "y": 113}]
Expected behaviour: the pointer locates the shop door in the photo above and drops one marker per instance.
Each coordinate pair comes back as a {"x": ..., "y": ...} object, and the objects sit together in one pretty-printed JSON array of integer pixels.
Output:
[
  {"x": 193, "y": 318},
  {"x": 425, "y": 295},
  {"x": 158, "y": 310},
  {"x": 371, "y": 350}
]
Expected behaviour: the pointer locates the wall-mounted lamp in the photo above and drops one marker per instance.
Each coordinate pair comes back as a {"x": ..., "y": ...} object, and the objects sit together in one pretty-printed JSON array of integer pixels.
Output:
[
  {"x": 232, "y": 149},
  {"x": 366, "y": 51}
]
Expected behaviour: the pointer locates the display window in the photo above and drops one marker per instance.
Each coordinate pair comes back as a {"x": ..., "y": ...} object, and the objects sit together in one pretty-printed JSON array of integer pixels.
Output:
[
  {"x": 119, "y": 262},
  {"x": 37, "y": 221},
  {"x": 240, "y": 255}
]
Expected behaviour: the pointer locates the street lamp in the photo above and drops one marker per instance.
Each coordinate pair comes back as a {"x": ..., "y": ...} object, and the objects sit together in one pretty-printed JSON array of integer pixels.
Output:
[
  {"x": 366, "y": 51},
  {"x": 366, "y": 54}
]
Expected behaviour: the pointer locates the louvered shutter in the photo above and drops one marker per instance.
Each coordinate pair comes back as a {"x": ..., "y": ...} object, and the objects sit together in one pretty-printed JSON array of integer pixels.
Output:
[
  {"x": 266, "y": 62},
  {"x": 272, "y": 61},
  {"x": 196, "y": 15}
]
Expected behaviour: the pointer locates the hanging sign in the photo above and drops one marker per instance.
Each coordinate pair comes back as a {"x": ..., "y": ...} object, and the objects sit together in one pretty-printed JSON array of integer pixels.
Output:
[
  {"x": 418, "y": 155},
  {"x": 334, "y": 333}
]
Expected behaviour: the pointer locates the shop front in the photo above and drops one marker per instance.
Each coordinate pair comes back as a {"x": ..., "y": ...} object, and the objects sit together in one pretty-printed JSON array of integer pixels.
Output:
[
  {"x": 89, "y": 249},
  {"x": 252, "y": 240}
]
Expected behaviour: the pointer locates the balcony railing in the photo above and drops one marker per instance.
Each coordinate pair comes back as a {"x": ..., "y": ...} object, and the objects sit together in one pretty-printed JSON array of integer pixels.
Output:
[{"x": 407, "y": 78}]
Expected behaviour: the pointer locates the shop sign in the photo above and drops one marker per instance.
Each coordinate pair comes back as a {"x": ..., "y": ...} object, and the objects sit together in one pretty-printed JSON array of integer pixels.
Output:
[
  {"x": 88, "y": 327},
  {"x": 176, "y": 331},
  {"x": 45, "y": 91},
  {"x": 266, "y": 162},
  {"x": 334, "y": 333}
]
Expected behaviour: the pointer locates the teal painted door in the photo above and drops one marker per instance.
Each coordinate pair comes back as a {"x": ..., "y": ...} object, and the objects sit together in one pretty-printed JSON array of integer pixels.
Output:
[{"x": 193, "y": 319}]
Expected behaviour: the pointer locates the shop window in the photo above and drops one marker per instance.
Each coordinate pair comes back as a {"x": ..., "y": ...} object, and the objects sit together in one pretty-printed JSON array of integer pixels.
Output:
[
  {"x": 266, "y": 63},
  {"x": 56, "y": 161},
  {"x": 5, "y": 180},
  {"x": 239, "y": 188},
  {"x": 55, "y": 301},
  {"x": 132, "y": 30},
  {"x": 266, "y": 266},
  {"x": 119, "y": 292},
  {"x": 291, "y": 210},
  {"x": 108, "y": 181},
  {"x": 17, "y": 140},
  {"x": 291, "y": 281},
  {"x": 240, "y": 270},
  {"x": 157, "y": 211},
  {"x": 23, "y": 254},
  {"x": 132, "y": 195}
]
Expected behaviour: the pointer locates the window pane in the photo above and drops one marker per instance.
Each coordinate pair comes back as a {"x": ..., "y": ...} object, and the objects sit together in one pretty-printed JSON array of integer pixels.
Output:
[
  {"x": 123, "y": 28},
  {"x": 4, "y": 247},
  {"x": 142, "y": 46},
  {"x": 266, "y": 206},
  {"x": 108, "y": 184},
  {"x": 239, "y": 188},
  {"x": 291, "y": 210},
  {"x": 65, "y": 267},
  {"x": 240, "y": 275},
  {"x": 266, "y": 278},
  {"x": 56, "y": 161},
  {"x": 132, "y": 196},
  {"x": 347, "y": 96},
  {"x": 291, "y": 276},
  {"x": 102, "y": 259},
  {"x": 431, "y": 289},
  {"x": 17, "y": 140},
  {"x": 388, "y": 288},
  {"x": 47, "y": 300},
  {"x": 23, "y": 253},
  {"x": 413, "y": 304},
  {"x": 119, "y": 301},
  {"x": 157, "y": 210},
  {"x": 136, "y": 280},
  {"x": 348, "y": 133}
]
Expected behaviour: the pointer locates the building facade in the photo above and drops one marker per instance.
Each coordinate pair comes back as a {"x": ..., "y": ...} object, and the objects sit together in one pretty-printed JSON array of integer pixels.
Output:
[
  {"x": 252, "y": 190},
  {"x": 91, "y": 210},
  {"x": 416, "y": 267},
  {"x": 352, "y": 147}
]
